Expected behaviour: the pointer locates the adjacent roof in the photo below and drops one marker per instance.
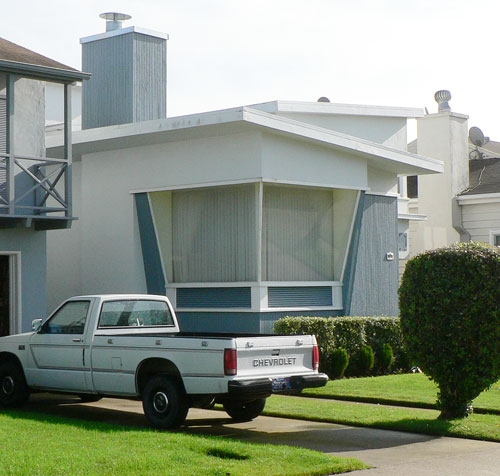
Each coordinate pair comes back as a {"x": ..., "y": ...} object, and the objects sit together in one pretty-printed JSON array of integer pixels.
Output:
[
  {"x": 484, "y": 176},
  {"x": 19, "y": 60},
  {"x": 303, "y": 107}
]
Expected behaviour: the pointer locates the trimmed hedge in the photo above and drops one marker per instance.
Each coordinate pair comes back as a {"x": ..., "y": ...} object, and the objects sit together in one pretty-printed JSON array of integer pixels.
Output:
[
  {"x": 450, "y": 317},
  {"x": 351, "y": 334}
]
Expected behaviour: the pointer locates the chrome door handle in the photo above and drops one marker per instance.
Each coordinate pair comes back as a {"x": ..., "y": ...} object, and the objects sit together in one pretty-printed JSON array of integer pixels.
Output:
[{"x": 77, "y": 340}]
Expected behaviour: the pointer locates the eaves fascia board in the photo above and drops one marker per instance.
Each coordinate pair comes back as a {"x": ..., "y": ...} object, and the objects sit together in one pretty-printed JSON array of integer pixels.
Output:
[
  {"x": 359, "y": 146},
  {"x": 412, "y": 216},
  {"x": 131, "y": 132},
  {"x": 478, "y": 199},
  {"x": 42, "y": 72},
  {"x": 338, "y": 109}
]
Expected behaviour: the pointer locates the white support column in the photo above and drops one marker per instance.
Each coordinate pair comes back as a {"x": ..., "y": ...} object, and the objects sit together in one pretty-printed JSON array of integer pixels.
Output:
[
  {"x": 68, "y": 152},
  {"x": 10, "y": 149}
]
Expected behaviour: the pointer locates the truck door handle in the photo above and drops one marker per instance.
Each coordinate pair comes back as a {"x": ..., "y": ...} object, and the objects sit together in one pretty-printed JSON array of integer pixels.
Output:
[{"x": 77, "y": 340}]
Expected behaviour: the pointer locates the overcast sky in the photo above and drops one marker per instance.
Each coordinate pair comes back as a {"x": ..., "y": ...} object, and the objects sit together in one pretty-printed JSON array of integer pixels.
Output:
[{"x": 225, "y": 53}]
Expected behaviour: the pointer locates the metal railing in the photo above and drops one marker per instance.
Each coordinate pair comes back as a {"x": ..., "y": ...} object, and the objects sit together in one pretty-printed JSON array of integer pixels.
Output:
[{"x": 27, "y": 183}]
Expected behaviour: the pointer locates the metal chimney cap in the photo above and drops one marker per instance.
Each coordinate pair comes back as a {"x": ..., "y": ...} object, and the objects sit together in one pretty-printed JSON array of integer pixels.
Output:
[
  {"x": 114, "y": 20},
  {"x": 442, "y": 97}
]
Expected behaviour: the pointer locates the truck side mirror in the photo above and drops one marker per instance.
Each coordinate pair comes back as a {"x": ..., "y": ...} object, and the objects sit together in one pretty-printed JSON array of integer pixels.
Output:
[{"x": 36, "y": 324}]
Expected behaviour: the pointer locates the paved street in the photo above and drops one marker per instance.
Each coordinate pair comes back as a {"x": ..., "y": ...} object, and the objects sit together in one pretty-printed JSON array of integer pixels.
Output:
[{"x": 391, "y": 453}]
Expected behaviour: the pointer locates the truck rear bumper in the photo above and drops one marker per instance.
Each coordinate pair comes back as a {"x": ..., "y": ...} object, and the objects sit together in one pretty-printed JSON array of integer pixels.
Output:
[{"x": 262, "y": 388}]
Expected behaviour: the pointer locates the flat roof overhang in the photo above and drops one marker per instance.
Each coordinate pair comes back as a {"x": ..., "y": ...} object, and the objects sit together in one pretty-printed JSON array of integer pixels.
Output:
[{"x": 236, "y": 120}]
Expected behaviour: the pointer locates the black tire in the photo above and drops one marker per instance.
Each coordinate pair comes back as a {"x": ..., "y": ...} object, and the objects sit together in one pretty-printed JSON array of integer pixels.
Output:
[
  {"x": 244, "y": 411},
  {"x": 164, "y": 402},
  {"x": 13, "y": 388},
  {"x": 89, "y": 398}
]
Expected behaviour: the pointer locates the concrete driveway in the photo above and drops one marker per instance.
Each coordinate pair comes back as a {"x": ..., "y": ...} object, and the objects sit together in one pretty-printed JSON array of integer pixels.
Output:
[{"x": 391, "y": 453}]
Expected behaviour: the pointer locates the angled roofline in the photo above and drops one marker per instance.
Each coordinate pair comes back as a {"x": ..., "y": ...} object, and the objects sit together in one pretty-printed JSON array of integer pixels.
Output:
[
  {"x": 356, "y": 144},
  {"x": 134, "y": 134},
  {"x": 42, "y": 72},
  {"x": 338, "y": 109}
]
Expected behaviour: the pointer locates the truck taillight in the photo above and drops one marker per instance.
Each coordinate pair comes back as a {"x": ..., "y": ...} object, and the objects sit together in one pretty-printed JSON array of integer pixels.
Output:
[
  {"x": 315, "y": 357},
  {"x": 230, "y": 362}
]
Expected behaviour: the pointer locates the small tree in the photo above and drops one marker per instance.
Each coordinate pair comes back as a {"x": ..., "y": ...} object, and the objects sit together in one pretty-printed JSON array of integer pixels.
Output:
[{"x": 450, "y": 319}]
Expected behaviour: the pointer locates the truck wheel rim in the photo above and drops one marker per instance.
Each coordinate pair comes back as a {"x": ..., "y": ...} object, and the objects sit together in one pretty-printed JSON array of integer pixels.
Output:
[
  {"x": 8, "y": 385},
  {"x": 160, "y": 402}
]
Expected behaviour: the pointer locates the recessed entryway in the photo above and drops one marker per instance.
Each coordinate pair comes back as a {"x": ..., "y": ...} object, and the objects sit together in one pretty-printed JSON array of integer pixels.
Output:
[
  {"x": 10, "y": 285},
  {"x": 4, "y": 295}
]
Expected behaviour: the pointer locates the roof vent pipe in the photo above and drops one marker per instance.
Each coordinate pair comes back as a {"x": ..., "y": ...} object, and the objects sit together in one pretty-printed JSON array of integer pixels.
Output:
[
  {"x": 114, "y": 20},
  {"x": 442, "y": 97}
]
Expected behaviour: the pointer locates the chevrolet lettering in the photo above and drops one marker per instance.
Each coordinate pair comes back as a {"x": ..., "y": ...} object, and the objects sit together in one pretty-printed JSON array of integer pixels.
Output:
[
  {"x": 274, "y": 362},
  {"x": 131, "y": 346}
]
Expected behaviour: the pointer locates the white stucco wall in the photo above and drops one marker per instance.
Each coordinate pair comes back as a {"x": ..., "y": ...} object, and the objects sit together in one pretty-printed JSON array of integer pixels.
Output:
[
  {"x": 442, "y": 136},
  {"x": 289, "y": 160}
]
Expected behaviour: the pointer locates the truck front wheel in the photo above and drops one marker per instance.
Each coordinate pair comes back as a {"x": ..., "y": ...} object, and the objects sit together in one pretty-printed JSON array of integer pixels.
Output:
[
  {"x": 13, "y": 389},
  {"x": 164, "y": 402},
  {"x": 244, "y": 411}
]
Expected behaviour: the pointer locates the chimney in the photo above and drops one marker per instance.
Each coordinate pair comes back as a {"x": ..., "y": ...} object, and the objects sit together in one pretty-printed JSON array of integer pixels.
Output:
[{"x": 129, "y": 74}]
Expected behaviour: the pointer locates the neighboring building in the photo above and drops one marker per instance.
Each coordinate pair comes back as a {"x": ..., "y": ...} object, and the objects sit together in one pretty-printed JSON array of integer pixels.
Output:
[
  {"x": 35, "y": 191},
  {"x": 463, "y": 203},
  {"x": 240, "y": 216}
]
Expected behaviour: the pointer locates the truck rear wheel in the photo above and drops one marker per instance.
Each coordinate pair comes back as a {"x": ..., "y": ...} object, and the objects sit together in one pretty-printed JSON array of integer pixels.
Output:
[
  {"x": 13, "y": 389},
  {"x": 164, "y": 402},
  {"x": 244, "y": 411}
]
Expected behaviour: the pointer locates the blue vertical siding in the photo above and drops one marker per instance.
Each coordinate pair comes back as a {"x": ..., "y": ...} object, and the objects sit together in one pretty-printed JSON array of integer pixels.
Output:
[
  {"x": 155, "y": 278},
  {"x": 372, "y": 281}
]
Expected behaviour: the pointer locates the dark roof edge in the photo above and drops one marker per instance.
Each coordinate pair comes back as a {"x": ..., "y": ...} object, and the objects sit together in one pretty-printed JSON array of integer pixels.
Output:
[{"x": 42, "y": 72}]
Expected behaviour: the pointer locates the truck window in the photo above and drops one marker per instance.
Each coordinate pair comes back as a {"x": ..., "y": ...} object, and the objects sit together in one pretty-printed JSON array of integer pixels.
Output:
[
  {"x": 70, "y": 319},
  {"x": 135, "y": 313}
]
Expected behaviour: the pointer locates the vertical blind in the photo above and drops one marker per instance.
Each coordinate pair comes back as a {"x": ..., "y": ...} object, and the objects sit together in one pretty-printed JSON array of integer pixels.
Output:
[
  {"x": 214, "y": 234},
  {"x": 297, "y": 234}
]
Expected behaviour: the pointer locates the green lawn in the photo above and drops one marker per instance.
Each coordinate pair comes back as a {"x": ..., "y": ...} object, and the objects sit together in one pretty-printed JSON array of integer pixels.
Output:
[
  {"x": 415, "y": 420},
  {"x": 414, "y": 390},
  {"x": 33, "y": 444}
]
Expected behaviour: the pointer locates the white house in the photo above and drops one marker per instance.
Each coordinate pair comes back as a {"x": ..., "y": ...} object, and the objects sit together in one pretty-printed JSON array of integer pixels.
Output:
[
  {"x": 463, "y": 203},
  {"x": 240, "y": 216}
]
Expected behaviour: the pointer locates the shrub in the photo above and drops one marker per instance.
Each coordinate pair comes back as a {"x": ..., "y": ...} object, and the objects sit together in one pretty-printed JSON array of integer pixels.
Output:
[
  {"x": 365, "y": 359},
  {"x": 349, "y": 333},
  {"x": 337, "y": 362},
  {"x": 450, "y": 318},
  {"x": 384, "y": 358}
]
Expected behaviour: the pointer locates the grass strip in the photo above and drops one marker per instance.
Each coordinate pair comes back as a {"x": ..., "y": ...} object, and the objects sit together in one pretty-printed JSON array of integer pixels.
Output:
[
  {"x": 412, "y": 390},
  {"x": 33, "y": 444},
  {"x": 480, "y": 427}
]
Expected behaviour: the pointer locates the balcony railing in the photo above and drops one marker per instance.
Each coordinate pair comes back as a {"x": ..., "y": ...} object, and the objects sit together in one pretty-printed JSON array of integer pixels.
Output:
[{"x": 34, "y": 186}]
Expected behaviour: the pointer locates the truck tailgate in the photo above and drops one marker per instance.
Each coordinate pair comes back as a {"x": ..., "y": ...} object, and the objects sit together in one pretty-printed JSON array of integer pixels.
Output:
[{"x": 275, "y": 356}]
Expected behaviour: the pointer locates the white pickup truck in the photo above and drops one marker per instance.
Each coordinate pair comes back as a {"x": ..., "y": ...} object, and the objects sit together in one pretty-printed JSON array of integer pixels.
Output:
[{"x": 130, "y": 346}]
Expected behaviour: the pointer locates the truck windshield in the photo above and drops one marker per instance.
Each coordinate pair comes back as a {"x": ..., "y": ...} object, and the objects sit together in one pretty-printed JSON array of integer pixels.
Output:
[{"x": 135, "y": 313}]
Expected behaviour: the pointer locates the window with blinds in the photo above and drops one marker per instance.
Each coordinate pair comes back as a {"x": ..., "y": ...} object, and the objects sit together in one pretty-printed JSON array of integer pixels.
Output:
[
  {"x": 214, "y": 234},
  {"x": 297, "y": 234}
]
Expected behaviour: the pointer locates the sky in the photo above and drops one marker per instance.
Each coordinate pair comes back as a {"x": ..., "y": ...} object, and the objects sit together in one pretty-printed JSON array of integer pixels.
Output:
[{"x": 227, "y": 53}]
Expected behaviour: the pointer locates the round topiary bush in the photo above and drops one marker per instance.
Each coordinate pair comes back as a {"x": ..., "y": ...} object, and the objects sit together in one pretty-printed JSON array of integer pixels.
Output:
[
  {"x": 337, "y": 362},
  {"x": 449, "y": 302}
]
